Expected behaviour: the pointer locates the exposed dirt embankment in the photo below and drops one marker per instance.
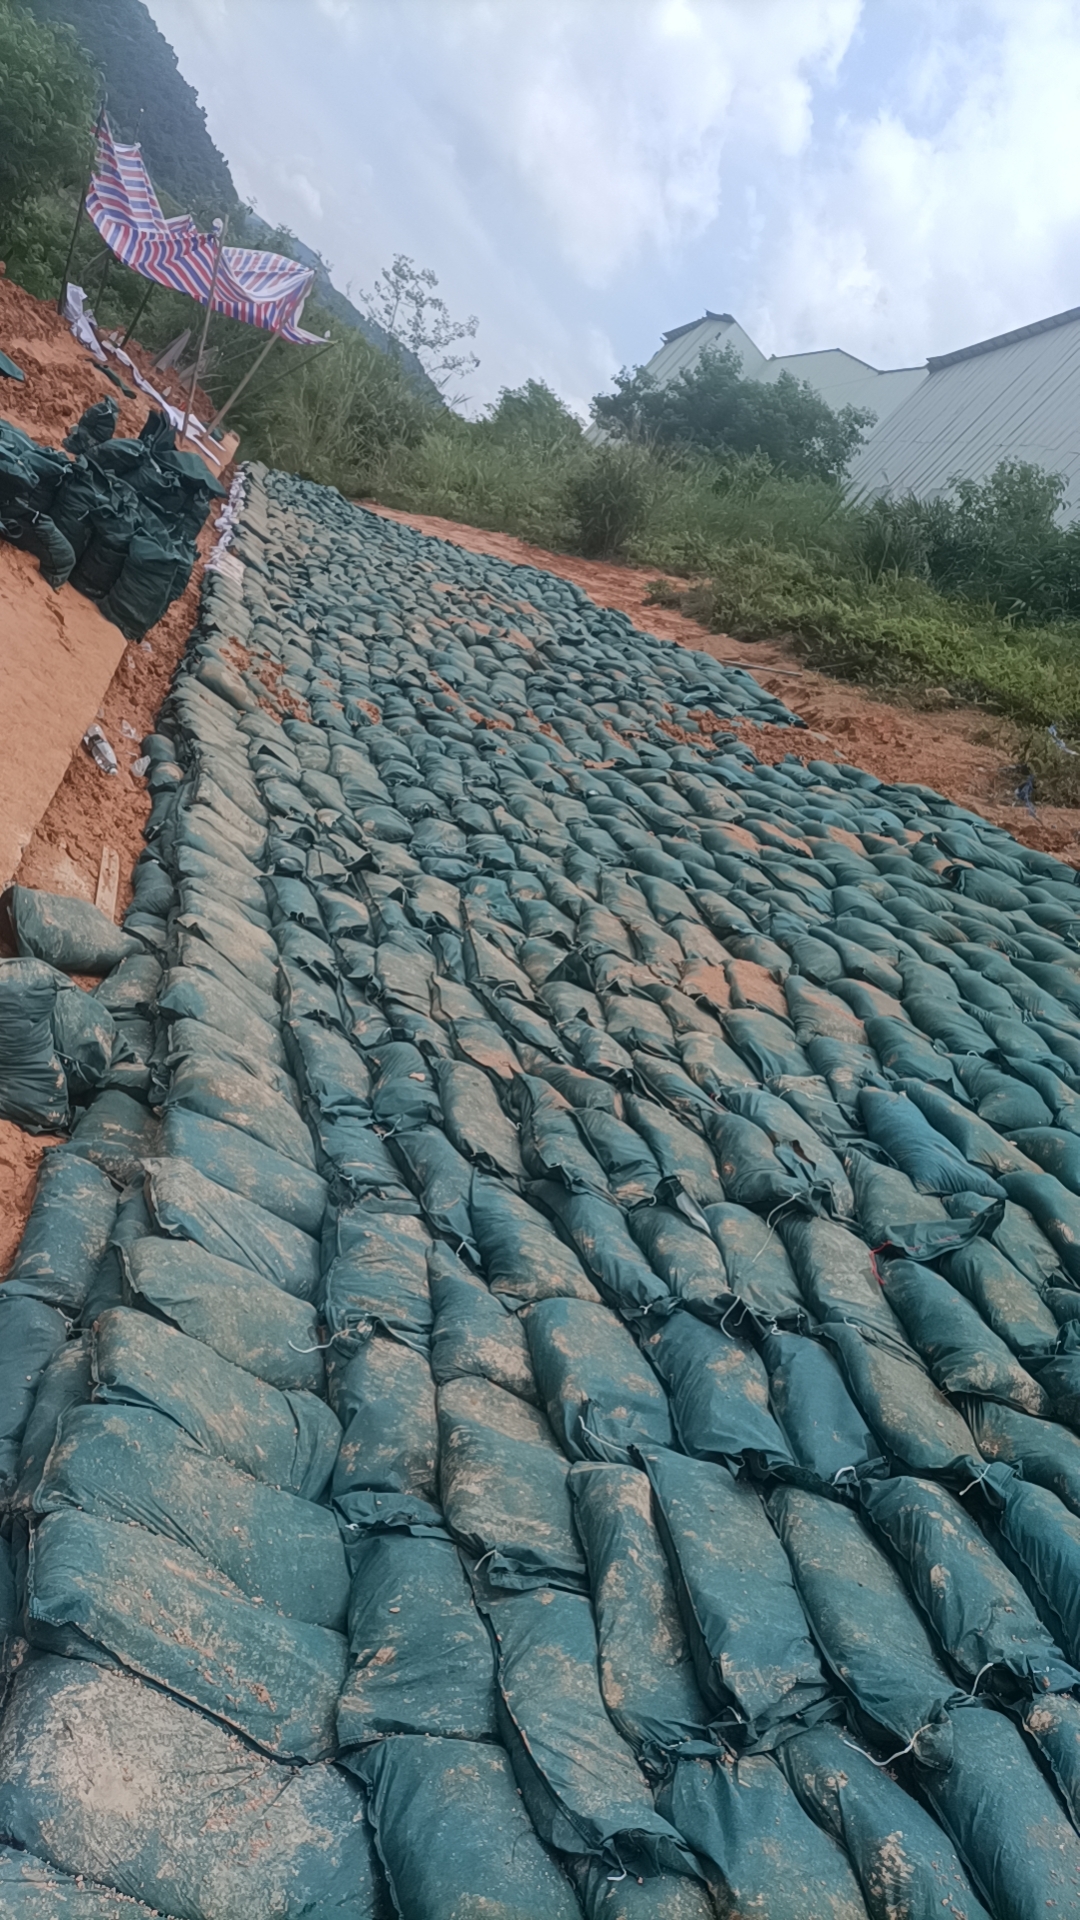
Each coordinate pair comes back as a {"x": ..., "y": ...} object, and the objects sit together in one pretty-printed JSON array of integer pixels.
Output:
[{"x": 961, "y": 752}]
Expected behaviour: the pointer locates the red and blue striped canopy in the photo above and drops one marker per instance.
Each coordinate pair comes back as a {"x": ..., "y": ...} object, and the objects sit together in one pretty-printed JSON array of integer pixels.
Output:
[{"x": 263, "y": 289}]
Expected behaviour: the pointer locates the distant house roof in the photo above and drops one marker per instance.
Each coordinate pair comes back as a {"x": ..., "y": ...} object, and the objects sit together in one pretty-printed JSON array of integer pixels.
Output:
[
  {"x": 689, "y": 325},
  {"x": 939, "y": 360},
  {"x": 839, "y": 377}
]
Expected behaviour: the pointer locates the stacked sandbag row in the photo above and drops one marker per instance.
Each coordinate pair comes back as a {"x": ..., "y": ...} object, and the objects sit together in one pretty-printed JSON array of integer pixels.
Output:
[
  {"x": 619, "y": 1119},
  {"x": 119, "y": 520}
]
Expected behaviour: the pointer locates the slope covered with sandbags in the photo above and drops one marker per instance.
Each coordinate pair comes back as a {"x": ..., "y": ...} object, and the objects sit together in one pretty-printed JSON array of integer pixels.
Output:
[{"x": 545, "y": 1377}]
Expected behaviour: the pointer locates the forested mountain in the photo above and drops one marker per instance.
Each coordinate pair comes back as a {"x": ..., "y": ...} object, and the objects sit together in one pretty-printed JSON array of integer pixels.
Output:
[{"x": 149, "y": 100}]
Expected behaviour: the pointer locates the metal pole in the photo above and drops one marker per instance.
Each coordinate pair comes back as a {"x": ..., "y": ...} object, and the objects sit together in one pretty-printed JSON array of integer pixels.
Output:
[
  {"x": 139, "y": 311},
  {"x": 80, "y": 209},
  {"x": 220, "y": 225},
  {"x": 237, "y": 391},
  {"x": 297, "y": 367}
]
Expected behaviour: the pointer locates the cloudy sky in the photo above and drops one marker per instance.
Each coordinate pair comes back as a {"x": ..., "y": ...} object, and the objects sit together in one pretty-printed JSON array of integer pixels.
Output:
[{"x": 897, "y": 177}]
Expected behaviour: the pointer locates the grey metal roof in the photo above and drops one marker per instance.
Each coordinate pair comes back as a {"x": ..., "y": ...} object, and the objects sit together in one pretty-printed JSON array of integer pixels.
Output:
[
  {"x": 1014, "y": 398},
  {"x": 1003, "y": 339}
]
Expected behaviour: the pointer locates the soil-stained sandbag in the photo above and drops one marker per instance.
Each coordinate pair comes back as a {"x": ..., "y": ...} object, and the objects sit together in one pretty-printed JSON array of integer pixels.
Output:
[
  {"x": 601, "y": 1396},
  {"x": 31, "y": 1336},
  {"x": 421, "y": 1657},
  {"x": 70, "y": 934},
  {"x": 31, "y": 1889},
  {"x": 761, "y": 1853},
  {"x": 580, "y": 1782},
  {"x": 116, "y": 1133},
  {"x": 33, "y": 1085},
  {"x": 166, "y": 1614},
  {"x": 719, "y": 1392},
  {"x": 474, "y": 1332},
  {"x": 646, "y": 1669},
  {"x": 829, "y": 1439},
  {"x": 1046, "y": 1453},
  {"x": 906, "y": 1866},
  {"x": 759, "y": 1271},
  {"x": 1005, "y": 1820},
  {"x": 522, "y": 1258},
  {"x": 913, "y": 1422},
  {"x": 188, "y": 1206},
  {"x": 134, "y": 1465},
  {"x": 223, "y": 1091},
  {"x": 245, "y": 1166},
  {"x": 892, "y": 1671},
  {"x": 977, "y": 1608},
  {"x": 503, "y": 1486},
  {"x": 377, "y": 1277},
  {"x": 65, "y": 1383},
  {"x": 958, "y": 1347},
  {"x": 66, "y": 1235},
  {"x": 384, "y": 1396},
  {"x": 287, "y": 1439},
  {"x": 453, "y": 1835},
  {"x": 248, "y": 1320},
  {"x": 213, "y": 1829},
  {"x": 755, "y": 1662}
]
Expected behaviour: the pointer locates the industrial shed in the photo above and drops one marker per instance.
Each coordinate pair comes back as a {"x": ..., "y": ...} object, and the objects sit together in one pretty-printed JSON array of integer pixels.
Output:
[
  {"x": 838, "y": 377},
  {"x": 1014, "y": 397}
]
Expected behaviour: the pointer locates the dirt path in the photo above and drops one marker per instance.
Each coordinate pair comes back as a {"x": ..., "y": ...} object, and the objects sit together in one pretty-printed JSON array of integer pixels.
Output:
[{"x": 962, "y": 752}]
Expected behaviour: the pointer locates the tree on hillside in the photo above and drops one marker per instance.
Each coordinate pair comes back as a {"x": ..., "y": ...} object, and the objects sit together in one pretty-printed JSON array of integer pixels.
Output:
[
  {"x": 149, "y": 100},
  {"x": 532, "y": 415},
  {"x": 711, "y": 408},
  {"x": 46, "y": 111},
  {"x": 405, "y": 304}
]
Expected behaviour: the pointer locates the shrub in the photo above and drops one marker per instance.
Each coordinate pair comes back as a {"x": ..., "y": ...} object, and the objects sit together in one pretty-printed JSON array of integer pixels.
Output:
[{"x": 609, "y": 500}]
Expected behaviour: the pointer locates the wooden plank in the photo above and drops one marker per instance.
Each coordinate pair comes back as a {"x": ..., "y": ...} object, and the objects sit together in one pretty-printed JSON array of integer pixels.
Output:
[{"x": 108, "y": 885}]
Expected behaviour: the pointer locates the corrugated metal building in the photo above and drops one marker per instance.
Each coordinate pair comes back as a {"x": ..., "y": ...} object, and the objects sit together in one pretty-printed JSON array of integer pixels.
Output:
[
  {"x": 1015, "y": 397},
  {"x": 837, "y": 376}
]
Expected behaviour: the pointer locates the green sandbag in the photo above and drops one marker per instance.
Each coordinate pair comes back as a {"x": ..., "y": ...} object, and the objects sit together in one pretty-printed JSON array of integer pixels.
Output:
[
  {"x": 502, "y": 1482},
  {"x": 65, "y": 1383},
  {"x": 116, "y": 1133},
  {"x": 384, "y": 1396},
  {"x": 952, "y": 1338},
  {"x": 453, "y": 1835},
  {"x": 1040, "y": 1539},
  {"x": 440, "y": 1177},
  {"x": 474, "y": 1333},
  {"x": 474, "y": 1120},
  {"x": 73, "y": 935},
  {"x": 1044, "y": 1451},
  {"x": 1005, "y": 1820},
  {"x": 94, "y": 1588},
  {"x": 216, "y": 1829},
  {"x": 1006, "y": 1300},
  {"x": 601, "y": 1396},
  {"x": 1056, "y": 1210},
  {"x": 522, "y": 1258},
  {"x": 829, "y": 1439},
  {"x": 188, "y": 1206},
  {"x": 836, "y": 1273},
  {"x": 245, "y": 1166},
  {"x": 685, "y": 1259},
  {"x": 931, "y": 1162},
  {"x": 719, "y": 1393},
  {"x": 892, "y": 1673},
  {"x": 797, "y": 1147},
  {"x": 761, "y": 1854},
  {"x": 421, "y": 1659},
  {"x": 755, "y": 1662},
  {"x": 245, "y": 1318},
  {"x": 334, "y": 1078},
  {"x": 580, "y": 1782},
  {"x": 976, "y": 1607},
  {"x": 892, "y": 1213},
  {"x": 1052, "y": 1721},
  {"x": 664, "y": 1896},
  {"x": 66, "y": 1235},
  {"x": 684, "y": 1159},
  {"x": 33, "y": 1085},
  {"x": 645, "y": 1665},
  {"x": 30, "y": 1889},
  {"x": 905, "y": 1865},
  {"x": 758, "y": 1269},
  {"x": 377, "y": 1276},
  {"x": 85, "y": 1036},
  {"x": 977, "y": 1142},
  {"x": 914, "y": 1423},
  {"x": 597, "y": 1231},
  {"x": 131, "y": 988},
  {"x": 31, "y": 1336},
  {"x": 156, "y": 570},
  {"x": 287, "y": 1439},
  {"x": 134, "y": 1465},
  {"x": 190, "y": 994}
]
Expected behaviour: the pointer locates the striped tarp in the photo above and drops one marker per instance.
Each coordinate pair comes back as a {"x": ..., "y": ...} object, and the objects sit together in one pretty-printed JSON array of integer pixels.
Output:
[{"x": 263, "y": 289}]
